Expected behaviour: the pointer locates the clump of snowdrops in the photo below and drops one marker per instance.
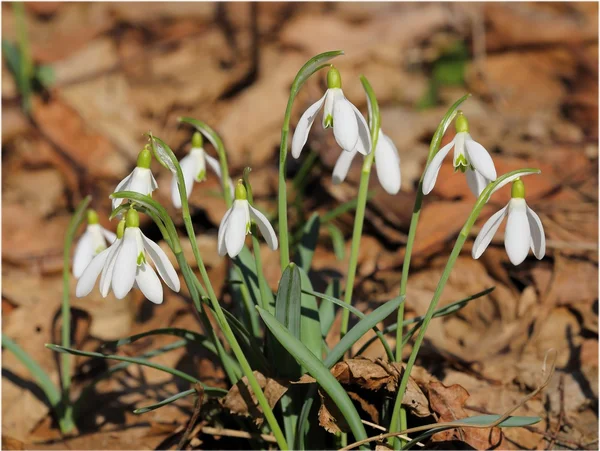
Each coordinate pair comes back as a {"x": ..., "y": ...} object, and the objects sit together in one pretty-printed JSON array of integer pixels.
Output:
[{"x": 281, "y": 335}]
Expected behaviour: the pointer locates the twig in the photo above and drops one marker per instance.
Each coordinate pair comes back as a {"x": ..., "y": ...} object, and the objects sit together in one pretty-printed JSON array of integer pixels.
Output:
[
  {"x": 197, "y": 406},
  {"x": 458, "y": 424},
  {"x": 238, "y": 434},
  {"x": 561, "y": 391}
]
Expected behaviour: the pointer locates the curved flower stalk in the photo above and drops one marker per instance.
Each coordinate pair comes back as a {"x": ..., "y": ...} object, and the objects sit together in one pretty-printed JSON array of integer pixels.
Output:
[
  {"x": 524, "y": 229},
  {"x": 193, "y": 167},
  {"x": 140, "y": 180},
  {"x": 235, "y": 225},
  {"x": 92, "y": 242},
  {"x": 124, "y": 265},
  {"x": 350, "y": 129},
  {"x": 387, "y": 164},
  {"x": 470, "y": 158}
]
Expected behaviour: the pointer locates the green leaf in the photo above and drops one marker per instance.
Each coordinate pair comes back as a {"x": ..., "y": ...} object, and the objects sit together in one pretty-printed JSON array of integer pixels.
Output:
[
  {"x": 287, "y": 311},
  {"x": 208, "y": 390},
  {"x": 313, "y": 65},
  {"x": 443, "y": 126},
  {"x": 327, "y": 309},
  {"x": 343, "y": 208},
  {"x": 45, "y": 76},
  {"x": 245, "y": 262},
  {"x": 42, "y": 379},
  {"x": 165, "y": 402},
  {"x": 319, "y": 371},
  {"x": 337, "y": 240},
  {"x": 244, "y": 297},
  {"x": 308, "y": 242},
  {"x": 12, "y": 57},
  {"x": 310, "y": 323}
]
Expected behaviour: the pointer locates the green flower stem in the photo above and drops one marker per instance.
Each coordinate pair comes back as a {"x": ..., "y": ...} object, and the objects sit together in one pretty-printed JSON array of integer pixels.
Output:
[
  {"x": 433, "y": 148},
  {"x": 65, "y": 360},
  {"x": 462, "y": 237},
  {"x": 220, "y": 316},
  {"x": 361, "y": 204},
  {"x": 310, "y": 67}
]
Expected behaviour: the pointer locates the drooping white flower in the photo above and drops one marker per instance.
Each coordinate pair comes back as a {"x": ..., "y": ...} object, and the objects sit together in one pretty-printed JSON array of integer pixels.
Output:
[
  {"x": 92, "y": 242},
  {"x": 470, "y": 157},
  {"x": 140, "y": 180},
  {"x": 387, "y": 164},
  {"x": 350, "y": 129},
  {"x": 524, "y": 229},
  {"x": 124, "y": 265},
  {"x": 193, "y": 167},
  {"x": 235, "y": 225}
]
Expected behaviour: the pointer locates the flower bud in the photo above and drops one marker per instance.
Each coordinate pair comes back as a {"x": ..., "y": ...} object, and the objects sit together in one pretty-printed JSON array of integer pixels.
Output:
[
  {"x": 92, "y": 217},
  {"x": 197, "y": 140},
  {"x": 334, "y": 79},
  {"x": 461, "y": 124},
  {"x": 144, "y": 158},
  {"x": 133, "y": 218},
  {"x": 240, "y": 191},
  {"x": 518, "y": 189}
]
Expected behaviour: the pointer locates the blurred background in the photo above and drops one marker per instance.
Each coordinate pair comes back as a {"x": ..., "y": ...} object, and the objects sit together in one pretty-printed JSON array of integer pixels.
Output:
[{"x": 82, "y": 83}]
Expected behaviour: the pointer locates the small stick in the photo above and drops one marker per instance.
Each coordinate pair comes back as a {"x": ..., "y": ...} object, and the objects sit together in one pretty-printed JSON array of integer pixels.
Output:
[
  {"x": 238, "y": 434},
  {"x": 197, "y": 406}
]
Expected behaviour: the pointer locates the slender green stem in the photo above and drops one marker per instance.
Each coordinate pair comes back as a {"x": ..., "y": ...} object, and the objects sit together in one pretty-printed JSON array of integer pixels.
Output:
[
  {"x": 65, "y": 360},
  {"x": 361, "y": 204}
]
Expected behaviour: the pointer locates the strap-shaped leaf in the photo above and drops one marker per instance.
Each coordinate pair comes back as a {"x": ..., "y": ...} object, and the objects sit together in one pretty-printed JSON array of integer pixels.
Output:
[
  {"x": 164, "y": 402},
  {"x": 318, "y": 370},
  {"x": 308, "y": 242},
  {"x": 327, "y": 309}
]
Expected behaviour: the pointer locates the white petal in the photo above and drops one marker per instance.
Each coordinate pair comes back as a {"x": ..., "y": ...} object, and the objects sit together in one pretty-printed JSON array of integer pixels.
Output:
[
  {"x": 126, "y": 264},
  {"x": 538, "y": 237},
  {"x": 235, "y": 232},
  {"x": 86, "y": 282},
  {"x": 189, "y": 169},
  {"x": 476, "y": 181},
  {"x": 363, "y": 145},
  {"x": 517, "y": 237},
  {"x": 107, "y": 271},
  {"x": 149, "y": 284},
  {"x": 214, "y": 164},
  {"x": 142, "y": 181},
  {"x": 342, "y": 166},
  {"x": 304, "y": 125},
  {"x": 221, "y": 248},
  {"x": 345, "y": 124},
  {"x": 480, "y": 159},
  {"x": 162, "y": 263},
  {"x": 110, "y": 236},
  {"x": 122, "y": 186},
  {"x": 84, "y": 252},
  {"x": 487, "y": 232},
  {"x": 513, "y": 178},
  {"x": 153, "y": 183},
  {"x": 265, "y": 227},
  {"x": 387, "y": 163},
  {"x": 434, "y": 166},
  {"x": 330, "y": 96}
]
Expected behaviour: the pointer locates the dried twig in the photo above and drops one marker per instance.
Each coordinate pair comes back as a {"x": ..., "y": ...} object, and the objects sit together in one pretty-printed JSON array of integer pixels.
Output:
[
  {"x": 238, "y": 434},
  {"x": 197, "y": 406}
]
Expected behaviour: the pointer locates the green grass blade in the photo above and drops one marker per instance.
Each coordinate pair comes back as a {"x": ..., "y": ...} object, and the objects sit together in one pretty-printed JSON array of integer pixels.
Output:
[
  {"x": 42, "y": 379},
  {"x": 308, "y": 242},
  {"x": 288, "y": 312},
  {"x": 310, "y": 323},
  {"x": 164, "y": 402},
  {"x": 319, "y": 371},
  {"x": 208, "y": 390},
  {"x": 337, "y": 241},
  {"x": 327, "y": 309},
  {"x": 343, "y": 208}
]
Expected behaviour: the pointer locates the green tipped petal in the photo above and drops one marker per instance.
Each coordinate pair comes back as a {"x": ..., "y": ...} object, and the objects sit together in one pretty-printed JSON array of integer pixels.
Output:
[
  {"x": 461, "y": 164},
  {"x": 461, "y": 124},
  {"x": 121, "y": 228},
  {"x": 92, "y": 217},
  {"x": 334, "y": 79},
  {"x": 197, "y": 140},
  {"x": 132, "y": 219},
  {"x": 144, "y": 158},
  {"x": 518, "y": 189},
  {"x": 240, "y": 191}
]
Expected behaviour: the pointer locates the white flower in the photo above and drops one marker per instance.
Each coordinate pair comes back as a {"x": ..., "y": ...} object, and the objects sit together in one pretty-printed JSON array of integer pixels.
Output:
[
  {"x": 92, "y": 242},
  {"x": 387, "y": 164},
  {"x": 124, "y": 265},
  {"x": 524, "y": 229},
  {"x": 350, "y": 129},
  {"x": 193, "y": 167},
  {"x": 470, "y": 157},
  {"x": 140, "y": 180},
  {"x": 235, "y": 225}
]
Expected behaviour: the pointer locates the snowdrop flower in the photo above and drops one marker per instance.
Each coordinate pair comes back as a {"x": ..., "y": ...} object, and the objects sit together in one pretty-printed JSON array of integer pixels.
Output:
[
  {"x": 235, "y": 225},
  {"x": 92, "y": 242},
  {"x": 140, "y": 180},
  {"x": 193, "y": 166},
  {"x": 470, "y": 157},
  {"x": 350, "y": 129},
  {"x": 124, "y": 265},
  {"x": 387, "y": 164},
  {"x": 524, "y": 229}
]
